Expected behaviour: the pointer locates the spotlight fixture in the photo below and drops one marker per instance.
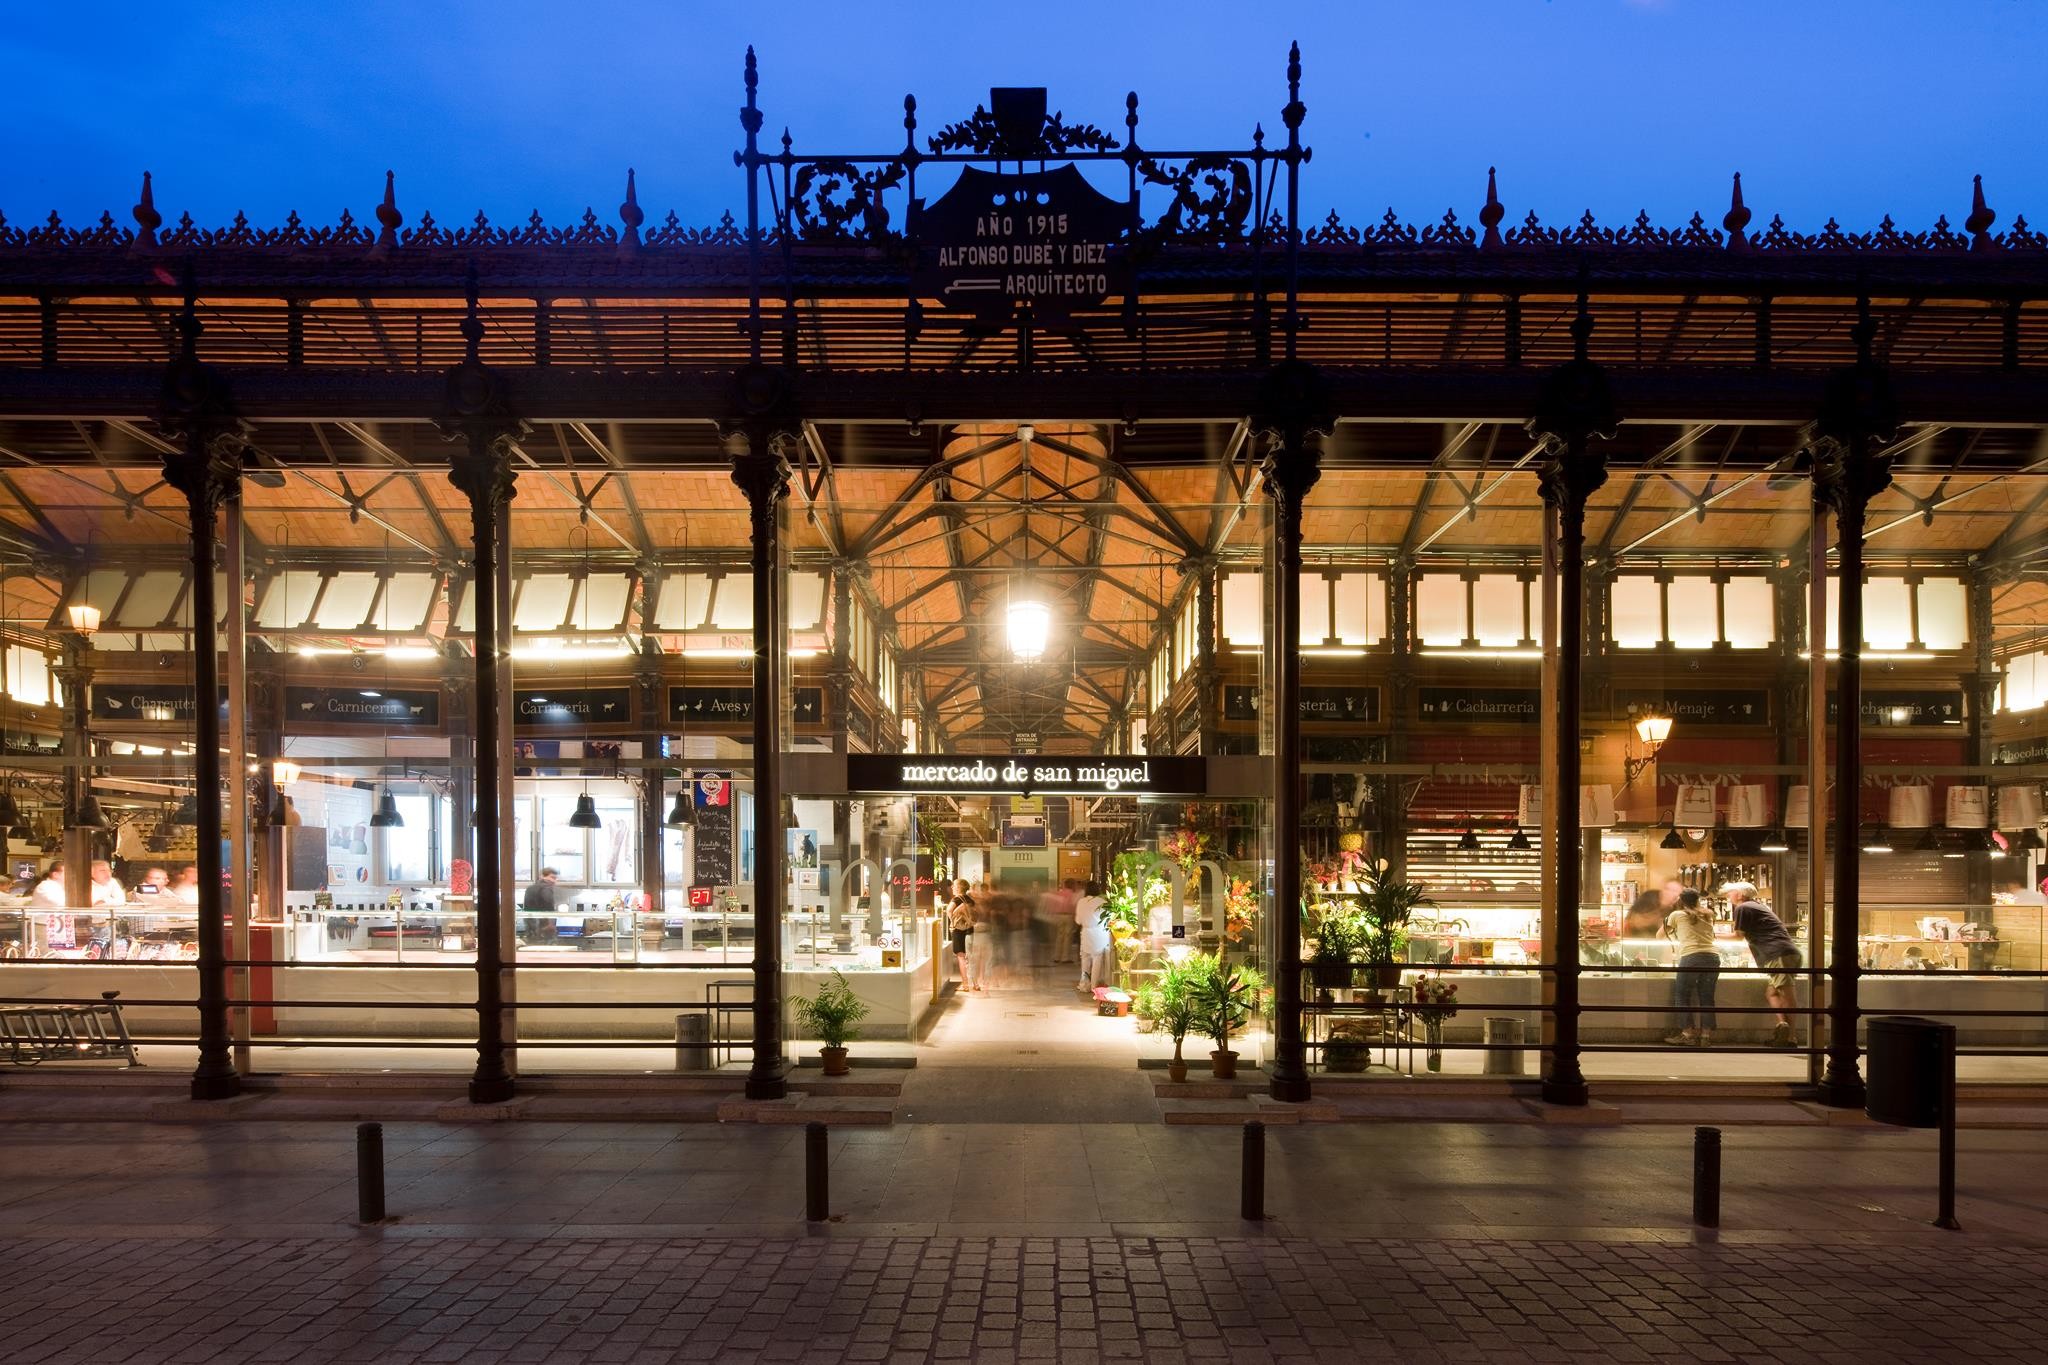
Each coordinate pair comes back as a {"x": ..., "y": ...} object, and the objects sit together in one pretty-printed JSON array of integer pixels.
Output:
[
  {"x": 1775, "y": 842},
  {"x": 387, "y": 816},
  {"x": 1519, "y": 840},
  {"x": 585, "y": 816},
  {"x": 683, "y": 813},
  {"x": 89, "y": 816},
  {"x": 1877, "y": 839},
  {"x": 1671, "y": 839},
  {"x": 1469, "y": 840}
]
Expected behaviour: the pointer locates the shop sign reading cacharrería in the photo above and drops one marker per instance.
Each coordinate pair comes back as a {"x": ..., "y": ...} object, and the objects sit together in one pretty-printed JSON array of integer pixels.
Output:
[{"x": 1104, "y": 775}]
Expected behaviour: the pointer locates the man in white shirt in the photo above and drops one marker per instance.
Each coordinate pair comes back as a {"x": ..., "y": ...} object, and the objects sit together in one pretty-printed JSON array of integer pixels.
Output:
[
  {"x": 105, "y": 890},
  {"x": 49, "y": 892},
  {"x": 186, "y": 888}
]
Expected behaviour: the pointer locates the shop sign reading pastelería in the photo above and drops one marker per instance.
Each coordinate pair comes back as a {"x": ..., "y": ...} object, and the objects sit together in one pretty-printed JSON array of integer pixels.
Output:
[{"x": 1098, "y": 775}]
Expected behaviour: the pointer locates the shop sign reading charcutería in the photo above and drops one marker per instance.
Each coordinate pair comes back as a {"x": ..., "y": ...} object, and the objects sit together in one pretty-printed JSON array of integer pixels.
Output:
[
  {"x": 147, "y": 703},
  {"x": 1032, "y": 774}
]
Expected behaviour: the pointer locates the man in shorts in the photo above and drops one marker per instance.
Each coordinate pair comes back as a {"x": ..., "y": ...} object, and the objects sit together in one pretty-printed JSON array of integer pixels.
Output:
[{"x": 1770, "y": 943}]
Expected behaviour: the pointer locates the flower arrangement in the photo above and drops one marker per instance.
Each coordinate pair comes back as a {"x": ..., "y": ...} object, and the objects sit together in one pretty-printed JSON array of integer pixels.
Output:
[
  {"x": 1186, "y": 846},
  {"x": 1436, "y": 997},
  {"x": 1240, "y": 909}
]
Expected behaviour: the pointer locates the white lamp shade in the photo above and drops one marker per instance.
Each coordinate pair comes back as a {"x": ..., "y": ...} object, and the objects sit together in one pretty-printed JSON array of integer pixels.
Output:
[
  {"x": 1694, "y": 807},
  {"x": 1910, "y": 807},
  {"x": 2019, "y": 807},
  {"x": 1529, "y": 810},
  {"x": 1798, "y": 807},
  {"x": 1968, "y": 807}
]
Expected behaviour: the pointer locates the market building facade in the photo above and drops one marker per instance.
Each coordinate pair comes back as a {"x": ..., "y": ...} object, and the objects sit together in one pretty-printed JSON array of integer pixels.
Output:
[{"x": 568, "y": 646}]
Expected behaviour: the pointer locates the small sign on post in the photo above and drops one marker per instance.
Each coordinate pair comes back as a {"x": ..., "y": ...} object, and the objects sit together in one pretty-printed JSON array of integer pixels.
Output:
[{"x": 1913, "y": 1085}]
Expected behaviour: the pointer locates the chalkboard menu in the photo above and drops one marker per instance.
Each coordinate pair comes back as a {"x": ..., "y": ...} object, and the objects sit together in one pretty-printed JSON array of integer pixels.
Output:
[{"x": 717, "y": 807}]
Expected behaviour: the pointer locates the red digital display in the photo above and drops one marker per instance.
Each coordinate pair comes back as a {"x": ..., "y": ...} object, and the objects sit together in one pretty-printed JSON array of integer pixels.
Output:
[{"x": 700, "y": 895}]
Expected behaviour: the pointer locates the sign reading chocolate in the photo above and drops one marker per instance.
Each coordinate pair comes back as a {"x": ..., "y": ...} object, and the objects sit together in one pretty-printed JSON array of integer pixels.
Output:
[
  {"x": 735, "y": 705},
  {"x": 398, "y": 707},
  {"x": 998, "y": 242},
  {"x": 1027, "y": 774},
  {"x": 1478, "y": 703},
  {"x": 573, "y": 706}
]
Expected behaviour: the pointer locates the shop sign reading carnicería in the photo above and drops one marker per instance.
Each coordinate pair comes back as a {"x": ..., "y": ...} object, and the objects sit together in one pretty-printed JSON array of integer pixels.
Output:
[{"x": 1036, "y": 774}]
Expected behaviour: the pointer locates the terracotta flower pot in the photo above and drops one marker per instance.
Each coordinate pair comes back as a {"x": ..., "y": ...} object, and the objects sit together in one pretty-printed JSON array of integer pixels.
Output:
[
  {"x": 836, "y": 1063},
  {"x": 1177, "y": 1070},
  {"x": 1223, "y": 1065}
]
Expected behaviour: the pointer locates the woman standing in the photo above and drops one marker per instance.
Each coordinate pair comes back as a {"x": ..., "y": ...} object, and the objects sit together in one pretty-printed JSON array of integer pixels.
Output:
[
  {"x": 982, "y": 945},
  {"x": 1094, "y": 937},
  {"x": 1699, "y": 970},
  {"x": 959, "y": 924}
]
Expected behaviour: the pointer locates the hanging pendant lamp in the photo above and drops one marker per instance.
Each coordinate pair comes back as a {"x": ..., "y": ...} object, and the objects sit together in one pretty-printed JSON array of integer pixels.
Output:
[
  {"x": 1519, "y": 840},
  {"x": 683, "y": 813},
  {"x": 1671, "y": 839},
  {"x": 586, "y": 814},
  {"x": 89, "y": 816},
  {"x": 1469, "y": 840},
  {"x": 1775, "y": 842},
  {"x": 387, "y": 816},
  {"x": 10, "y": 813}
]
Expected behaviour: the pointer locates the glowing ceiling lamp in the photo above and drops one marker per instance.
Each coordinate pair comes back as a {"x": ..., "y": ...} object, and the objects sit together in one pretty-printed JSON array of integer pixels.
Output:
[
  {"x": 85, "y": 618},
  {"x": 1029, "y": 627}
]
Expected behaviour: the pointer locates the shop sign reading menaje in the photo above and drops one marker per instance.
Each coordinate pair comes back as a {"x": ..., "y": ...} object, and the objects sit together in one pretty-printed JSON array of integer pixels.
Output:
[{"x": 1028, "y": 774}]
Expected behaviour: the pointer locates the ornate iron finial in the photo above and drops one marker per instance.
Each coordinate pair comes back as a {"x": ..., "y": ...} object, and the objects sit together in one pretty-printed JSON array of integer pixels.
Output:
[
  {"x": 1295, "y": 111},
  {"x": 147, "y": 219},
  {"x": 1981, "y": 218},
  {"x": 750, "y": 115},
  {"x": 1131, "y": 118},
  {"x": 1491, "y": 215},
  {"x": 910, "y": 121},
  {"x": 632, "y": 216},
  {"x": 1259, "y": 135},
  {"x": 1737, "y": 218},
  {"x": 389, "y": 216}
]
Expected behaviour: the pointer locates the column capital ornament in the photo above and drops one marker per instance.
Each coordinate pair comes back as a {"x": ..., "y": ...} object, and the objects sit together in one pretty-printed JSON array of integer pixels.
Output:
[
  {"x": 196, "y": 411},
  {"x": 1574, "y": 406},
  {"x": 1294, "y": 410}
]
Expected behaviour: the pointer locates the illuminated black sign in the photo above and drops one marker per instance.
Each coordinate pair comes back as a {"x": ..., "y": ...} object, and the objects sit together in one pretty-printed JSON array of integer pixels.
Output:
[
  {"x": 148, "y": 703},
  {"x": 1478, "y": 703},
  {"x": 573, "y": 706},
  {"x": 394, "y": 707},
  {"x": 1928, "y": 707},
  {"x": 1034, "y": 774},
  {"x": 1000, "y": 241},
  {"x": 735, "y": 705},
  {"x": 1354, "y": 704},
  {"x": 1697, "y": 706}
]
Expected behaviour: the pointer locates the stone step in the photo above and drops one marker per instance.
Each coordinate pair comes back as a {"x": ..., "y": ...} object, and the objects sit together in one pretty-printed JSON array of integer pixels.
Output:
[{"x": 856, "y": 1111}]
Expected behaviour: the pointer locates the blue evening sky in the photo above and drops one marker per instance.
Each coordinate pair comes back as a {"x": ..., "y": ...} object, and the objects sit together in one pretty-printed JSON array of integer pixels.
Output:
[{"x": 1854, "y": 108}]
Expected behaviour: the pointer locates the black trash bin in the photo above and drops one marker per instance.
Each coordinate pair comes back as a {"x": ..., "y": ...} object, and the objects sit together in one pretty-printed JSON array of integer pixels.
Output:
[{"x": 1910, "y": 1064}]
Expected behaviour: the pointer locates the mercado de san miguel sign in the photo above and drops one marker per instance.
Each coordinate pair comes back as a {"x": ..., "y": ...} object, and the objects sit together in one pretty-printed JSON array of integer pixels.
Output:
[
  {"x": 1027, "y": 774},
  {"x": 999, "y": 242}
]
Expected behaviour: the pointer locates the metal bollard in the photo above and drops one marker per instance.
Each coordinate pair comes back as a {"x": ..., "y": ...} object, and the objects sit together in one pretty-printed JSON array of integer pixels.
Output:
[
  {"x": 369, "y": 1173},
  {"x": 1706, "y": 1177},
  {"x": 817, "y": 1187},
  {"x": 1252, "y": 1204}
]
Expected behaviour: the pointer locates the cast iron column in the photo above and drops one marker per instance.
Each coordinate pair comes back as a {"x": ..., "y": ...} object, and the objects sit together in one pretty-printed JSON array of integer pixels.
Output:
[
  {"x": 654, "y": 786},
  {"x": 1294, "y": 417},
  {"x": 1574, "y": 407},
  {"x": 197, "y": 414},
  {"x": 477, "y": 412},
  {"x": 762, "y": 474},
  {"x": 1850, "y": 467}
]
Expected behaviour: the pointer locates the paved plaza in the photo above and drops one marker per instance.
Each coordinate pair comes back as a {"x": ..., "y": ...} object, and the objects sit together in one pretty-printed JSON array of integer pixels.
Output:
[{"x": 643, "y": 1242}]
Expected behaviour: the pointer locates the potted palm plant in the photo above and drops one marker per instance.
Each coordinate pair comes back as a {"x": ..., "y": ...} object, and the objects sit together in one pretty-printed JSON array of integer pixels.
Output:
[
  {"x": 1386, "y": 904},
  {"x": 1340, "y": 939},
  {"x": 1175, "y": 1005},
  {"x": 832, "y": 1015},
  {"x": 1225, "y": 999}
]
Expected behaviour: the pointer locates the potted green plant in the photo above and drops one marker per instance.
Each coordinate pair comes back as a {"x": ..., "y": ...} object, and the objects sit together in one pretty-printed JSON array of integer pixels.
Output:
[
  {"x": 831, "y": 1015},
  {"x": 1225, "y": 998},
  {"x": 1175, "y": 1006},
  {"x": 1385, "y": 905},
  {"x": 1340, "y": 939}
]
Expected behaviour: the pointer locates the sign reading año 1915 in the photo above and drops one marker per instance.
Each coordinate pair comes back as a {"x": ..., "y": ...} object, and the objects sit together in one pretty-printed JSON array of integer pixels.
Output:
[{"x": 1000, "y": 240}]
